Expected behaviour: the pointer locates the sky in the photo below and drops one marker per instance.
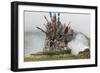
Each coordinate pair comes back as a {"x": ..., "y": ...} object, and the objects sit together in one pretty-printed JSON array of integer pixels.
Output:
[{"x": 78, "y": 22}]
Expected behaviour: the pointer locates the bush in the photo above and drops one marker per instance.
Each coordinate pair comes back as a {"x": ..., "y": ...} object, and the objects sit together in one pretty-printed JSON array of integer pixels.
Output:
[{"x": 85, "y": 53}]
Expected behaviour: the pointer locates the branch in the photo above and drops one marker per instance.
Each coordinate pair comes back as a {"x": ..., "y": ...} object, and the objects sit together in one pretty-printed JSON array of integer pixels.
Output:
[
  {"x": 46, "y": 19},
  {"x": 41, "y": 30}
]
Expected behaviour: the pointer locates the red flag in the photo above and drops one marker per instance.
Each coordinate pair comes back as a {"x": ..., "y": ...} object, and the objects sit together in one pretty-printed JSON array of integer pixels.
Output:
[{"x": 66, "y": 30}]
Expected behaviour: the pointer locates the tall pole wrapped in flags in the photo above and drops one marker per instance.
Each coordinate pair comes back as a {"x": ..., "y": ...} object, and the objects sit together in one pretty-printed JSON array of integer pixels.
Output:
[
  {"x": 50, "y": 14},
  {"x": 58, "y": 19}
]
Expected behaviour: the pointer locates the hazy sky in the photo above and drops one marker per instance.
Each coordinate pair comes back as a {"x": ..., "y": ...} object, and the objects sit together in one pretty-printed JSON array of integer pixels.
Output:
[{"x": 79, "y": 22}]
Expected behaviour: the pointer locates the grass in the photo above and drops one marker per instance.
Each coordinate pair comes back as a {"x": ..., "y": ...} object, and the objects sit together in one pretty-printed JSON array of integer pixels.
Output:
[
  {"x": 49, "y": 58},
  {"x": 58, "y": 55}
]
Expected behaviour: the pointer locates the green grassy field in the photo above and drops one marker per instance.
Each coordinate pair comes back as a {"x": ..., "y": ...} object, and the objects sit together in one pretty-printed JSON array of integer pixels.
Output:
[
  {"x": 50, "y": 56},
  {"x": 67, "y": 57}
]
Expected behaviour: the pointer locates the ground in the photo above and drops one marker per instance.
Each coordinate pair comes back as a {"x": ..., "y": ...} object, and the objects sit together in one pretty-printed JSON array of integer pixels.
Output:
[{"x": 51, "y": 56}]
